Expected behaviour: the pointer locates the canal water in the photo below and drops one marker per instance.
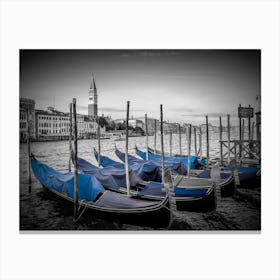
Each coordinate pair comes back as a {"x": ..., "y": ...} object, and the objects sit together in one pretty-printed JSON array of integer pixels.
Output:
[{"x": 39, "y": 211}]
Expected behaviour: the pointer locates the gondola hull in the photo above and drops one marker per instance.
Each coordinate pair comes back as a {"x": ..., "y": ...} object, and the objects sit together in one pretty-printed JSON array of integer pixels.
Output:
[
  {"x": 157, "y": 217},
  {"x": 203, "y": 204},
  {"x": 227, "y": 187},
  {"x": 187, "y": 197}
]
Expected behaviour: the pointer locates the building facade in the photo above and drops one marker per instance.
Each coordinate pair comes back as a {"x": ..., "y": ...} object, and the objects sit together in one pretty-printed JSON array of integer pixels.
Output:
[
  {"x": 27, "y": 116},
  {"x": 52, "y": 125},
  {"x": 55, "y": 125}
]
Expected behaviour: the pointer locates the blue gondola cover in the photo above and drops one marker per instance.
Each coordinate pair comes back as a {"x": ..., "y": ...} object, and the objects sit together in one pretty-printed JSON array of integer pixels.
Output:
[
  {"x": 89, "y": 186},
  {"x": 193, "y": 159},
  {"x": 110, "y": 175}
]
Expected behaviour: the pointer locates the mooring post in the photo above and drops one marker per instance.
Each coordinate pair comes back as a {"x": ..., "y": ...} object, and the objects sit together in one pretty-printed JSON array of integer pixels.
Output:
[
  {"x": 99, "y": 145},
  {"x": 28, "y": 152},
  {"x": 228, "y": 124},
  {"x": 242, "y": 137},
  {"x": 126, "y": 151},
  {"x": 170, "y": 142},
  {"x": 155, "y": 137},
  {"x": 162, "y": 145},
  {"x": 252, "y": 134},
  {"x": 180, "y": 140},
  {"x": 249, "y": 126},
  {"x": 189, "y": 149},
  {"x": 221, "y": 143},
  {"x": 195, "y": 146},
  {"x": 76, "y": 186},
  {"x": 240, "y": 131},
  {"x": 147, "y": 137},
  {"x": 200, "y": 143},
  {"x": 70, "y": 138},
  {"x": 207, "y": 143}
]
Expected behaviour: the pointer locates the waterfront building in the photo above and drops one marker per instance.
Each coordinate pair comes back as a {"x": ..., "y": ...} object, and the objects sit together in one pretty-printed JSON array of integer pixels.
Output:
[
  {"x": 88, "y": 127},
  {"x": 92, "y": 99},
  {"x": 151, "y": 124},
  {"x": 27, "y": 115},
  {"x": 52, "y": 124},
  {"x": 136, "y": 123},
  {"x": 55, "y": 125}
]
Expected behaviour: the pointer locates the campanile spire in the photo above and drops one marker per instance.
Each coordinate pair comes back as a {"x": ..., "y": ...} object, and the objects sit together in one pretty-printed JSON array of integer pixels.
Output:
[{"x": 92, "y": 98}]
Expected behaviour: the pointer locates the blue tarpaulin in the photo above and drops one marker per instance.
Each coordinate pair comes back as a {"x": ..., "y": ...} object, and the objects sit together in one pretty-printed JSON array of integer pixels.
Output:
[
  {"x": 109, "y": 176},
  {"x": 146, "y": 171},
  {"x": 184, "y": 160},
  {"x": 89, "y": 186},
  {"x": 157, "y": 189},
  {"x": 246, "y": 173},
  {"x": 175, "y": 166}
]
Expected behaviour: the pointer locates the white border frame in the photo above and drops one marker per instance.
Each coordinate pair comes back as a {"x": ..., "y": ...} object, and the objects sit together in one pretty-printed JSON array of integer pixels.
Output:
[{"x": 155, "y": 24}]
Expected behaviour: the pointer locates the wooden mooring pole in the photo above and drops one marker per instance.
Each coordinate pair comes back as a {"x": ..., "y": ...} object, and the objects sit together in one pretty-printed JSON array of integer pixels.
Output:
[
  {"x": 243, "y": 129},
  {"x": 252, "y": 134},
  {"x": 240, "y": 133},
  {"x": 147, "y": 137},
  {"x": 162, "y": 145},
  {"x": 228, "y": 128},
  {"x": 221, "y": 143},
  {"x": 155, "y": 137},
  {"x": 76, "y": 184},
  {"x": 195, "y": 146},
  {"x": 170, "y": 142},
  {"x": 70, "y": 138},
  {"x": 189, "y": 149},
  {"x": 99, "y": 145},
  {"x": 28, "y": 152},
  {"x": 200, "y": 142},
  {"x": 180, "y": 140},
  {"x": 249, "y": 126},
  {"x": 126, "y": 151},
  {"x": 207, "y": 143}
]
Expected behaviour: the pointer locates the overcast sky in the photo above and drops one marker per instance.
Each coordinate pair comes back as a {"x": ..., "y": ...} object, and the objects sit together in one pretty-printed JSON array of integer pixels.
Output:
[{"x": 189, "y": 83}]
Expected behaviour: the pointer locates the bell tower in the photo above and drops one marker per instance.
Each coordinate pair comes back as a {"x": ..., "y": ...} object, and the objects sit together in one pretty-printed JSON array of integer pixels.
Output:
[
  {"x": 92, "y": 98},
  {"x": 95, "y": 113}
]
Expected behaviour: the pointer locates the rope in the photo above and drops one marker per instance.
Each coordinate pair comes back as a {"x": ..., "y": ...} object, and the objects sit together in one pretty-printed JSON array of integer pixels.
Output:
[{"x": 82, "y": 212}]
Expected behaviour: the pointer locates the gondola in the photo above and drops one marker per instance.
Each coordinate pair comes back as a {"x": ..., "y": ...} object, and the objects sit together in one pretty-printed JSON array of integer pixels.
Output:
[
  {"x": 147, "y": 170},
  {"x": 103, "y": 203},
  {"x": 249, "y": 177},
  {"x": 225, "y": 181},
  {"x": 194, "y": 163},
  {"x": 194, "y": 195},
  {"x": 201, "y": 161}
]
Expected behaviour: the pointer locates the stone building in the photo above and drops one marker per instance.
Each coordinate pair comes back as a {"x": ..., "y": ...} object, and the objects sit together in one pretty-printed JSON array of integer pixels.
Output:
[
  {"x": 27, "y": 112},
  {"x": 52, "y": 124}
]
